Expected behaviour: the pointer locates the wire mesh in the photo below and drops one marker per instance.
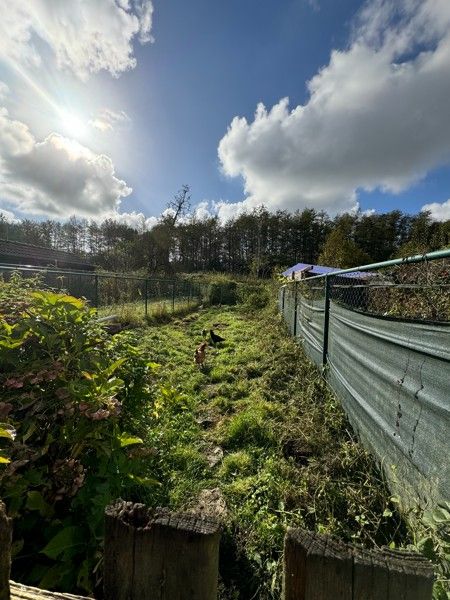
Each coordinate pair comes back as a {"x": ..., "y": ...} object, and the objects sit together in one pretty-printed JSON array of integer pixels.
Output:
[
  {"x": 417, "y": 291},
  {"x": 113, "y": 294}
]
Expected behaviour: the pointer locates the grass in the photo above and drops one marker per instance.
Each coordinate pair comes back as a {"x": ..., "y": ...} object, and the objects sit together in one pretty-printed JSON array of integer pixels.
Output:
[
  {"x": 259, "y": 427},
  {"x": 133, "y": 313}
]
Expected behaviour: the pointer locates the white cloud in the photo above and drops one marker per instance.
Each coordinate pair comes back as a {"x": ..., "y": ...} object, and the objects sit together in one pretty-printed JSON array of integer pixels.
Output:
[
  {"x": 230, "y": 210},
  {"x": 108, "y": 120},
  {"x": 57, "y": 176},
  {"x": 202, "y": 211},
  {"x": 438, "y": 211},
  {"x": 85, "y": 36},
  {"x": 133, "y": 219},
  {"x": 378, "y": 116},
  {"x": 8, "y": 216}
]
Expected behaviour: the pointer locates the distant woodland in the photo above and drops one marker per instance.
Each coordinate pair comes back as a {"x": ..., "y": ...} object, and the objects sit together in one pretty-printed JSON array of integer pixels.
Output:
[{"x": 253, "y": 243}]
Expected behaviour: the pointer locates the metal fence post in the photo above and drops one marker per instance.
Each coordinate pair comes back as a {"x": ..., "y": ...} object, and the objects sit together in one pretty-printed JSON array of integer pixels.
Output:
[
  {"x": 96, "y": 291},
  {"x": 173, "y": 297},
  {"x": 146, "y": 298},
  {"x": 326, "y": 323},
  {"x": 295, "y": 308}
]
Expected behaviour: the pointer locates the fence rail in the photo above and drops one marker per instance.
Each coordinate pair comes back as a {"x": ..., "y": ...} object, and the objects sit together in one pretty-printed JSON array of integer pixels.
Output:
[
  {"x": 117, "y": 293},
  {"x": 381, "y": 333}
]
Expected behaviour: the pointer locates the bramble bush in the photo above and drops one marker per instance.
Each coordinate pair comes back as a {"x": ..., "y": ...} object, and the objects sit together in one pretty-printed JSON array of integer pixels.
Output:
[{"x": 71, "y": 404}]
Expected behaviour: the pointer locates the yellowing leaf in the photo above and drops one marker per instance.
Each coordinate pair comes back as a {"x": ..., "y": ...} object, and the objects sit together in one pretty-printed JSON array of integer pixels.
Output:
[
  {"x": 128, "y": 440},
  {"x": 146, "y": 481},
  {"x": 8, "y": 433}
]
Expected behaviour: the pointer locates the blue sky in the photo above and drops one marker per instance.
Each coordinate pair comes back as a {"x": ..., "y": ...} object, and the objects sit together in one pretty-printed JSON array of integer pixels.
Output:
[{"x": 98, "y": 120}]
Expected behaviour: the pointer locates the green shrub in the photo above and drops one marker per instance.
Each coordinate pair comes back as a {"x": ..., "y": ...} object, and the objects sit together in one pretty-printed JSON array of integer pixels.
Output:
[
  {"x": 223, "y": 291},
  {"x": 71, "y": 397},
  {"x": 254, "y": 296}
]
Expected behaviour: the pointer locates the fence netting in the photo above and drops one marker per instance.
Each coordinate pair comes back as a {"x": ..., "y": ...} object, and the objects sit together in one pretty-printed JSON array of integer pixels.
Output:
[
  {"x": 387, "y": 356},
  {"x": 119, "y": 295}
]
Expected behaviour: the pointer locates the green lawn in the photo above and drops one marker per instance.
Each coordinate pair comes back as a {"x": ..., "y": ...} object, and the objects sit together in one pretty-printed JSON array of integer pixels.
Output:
[{"x": 257, "y": 438}]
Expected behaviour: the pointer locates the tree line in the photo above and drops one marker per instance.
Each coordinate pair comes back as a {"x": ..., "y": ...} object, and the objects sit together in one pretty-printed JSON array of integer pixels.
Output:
[{"x": 255, "y": 243}]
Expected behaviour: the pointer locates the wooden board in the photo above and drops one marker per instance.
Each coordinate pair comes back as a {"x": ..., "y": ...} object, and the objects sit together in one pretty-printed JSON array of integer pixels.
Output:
[{"x": 24, "y": 592}]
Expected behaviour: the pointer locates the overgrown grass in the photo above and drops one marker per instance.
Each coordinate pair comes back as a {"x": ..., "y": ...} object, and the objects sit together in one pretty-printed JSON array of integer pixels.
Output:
[
  {"x": 260, "y": 431},
  {"x": 158, "y": 311}
]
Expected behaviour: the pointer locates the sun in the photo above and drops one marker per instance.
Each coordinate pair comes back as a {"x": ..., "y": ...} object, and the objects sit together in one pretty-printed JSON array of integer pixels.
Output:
[{"x": 73, "y": 124}]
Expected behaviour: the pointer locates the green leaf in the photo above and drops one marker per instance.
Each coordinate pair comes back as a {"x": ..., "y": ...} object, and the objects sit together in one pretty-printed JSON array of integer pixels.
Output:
[
  {"x": 68, "y": 537},
  {"x": 128, "y": 440},
  {"x": 35, "y": 501},
  {"x": 441, "y": 515},
  {"x": 113, "y": 367},
  {"x": 426, "y": 547},
  {"x": 154, "y": 366}
]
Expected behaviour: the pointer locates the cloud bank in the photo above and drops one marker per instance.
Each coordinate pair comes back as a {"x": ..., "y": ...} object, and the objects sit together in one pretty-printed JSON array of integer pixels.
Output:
[
  {"x": 378, "y": 116},
  {"x": 85, "y": 36},
  {"x": 438, "y": 211},
  {"x": 57, "y": 176}
]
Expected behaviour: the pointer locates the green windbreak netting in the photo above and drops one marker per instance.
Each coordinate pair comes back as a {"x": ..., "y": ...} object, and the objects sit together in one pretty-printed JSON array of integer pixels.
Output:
[
  {"x": 310, "y": 319},
  {"x": 287, "y": 302},
  {"x": 393, "y": 378}
]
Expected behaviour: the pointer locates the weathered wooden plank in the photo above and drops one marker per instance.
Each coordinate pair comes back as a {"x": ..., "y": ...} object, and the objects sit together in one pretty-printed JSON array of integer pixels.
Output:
[
  {"x": 329, "y": 570},
  {"x": 370, "y": 575},
  {"x": 25, "y": 592},
  {"x": 159, "y": 554},
  {"x": 296, "y": 545},
  {"x": 410, "y": 576},
  {"x": 5, "y": 552},
  {"x": 319, "y": 567},
  {"x": 118, "y": 555}
]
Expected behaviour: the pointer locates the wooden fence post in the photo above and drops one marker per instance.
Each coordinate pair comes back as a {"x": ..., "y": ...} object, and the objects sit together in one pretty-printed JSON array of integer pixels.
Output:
[
  {"x": 5, "y": 552},
  {"x": 319, "y": 567},
  {"x": 158, "y": 554}
]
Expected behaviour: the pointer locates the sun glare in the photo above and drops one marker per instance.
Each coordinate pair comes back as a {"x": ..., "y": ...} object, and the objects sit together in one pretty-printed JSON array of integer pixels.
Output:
[{"x": 73, "y": 125}]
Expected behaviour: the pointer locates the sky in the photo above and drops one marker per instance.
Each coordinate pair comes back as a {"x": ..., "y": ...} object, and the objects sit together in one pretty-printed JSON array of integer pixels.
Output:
[{"x": 107, "y": 107}]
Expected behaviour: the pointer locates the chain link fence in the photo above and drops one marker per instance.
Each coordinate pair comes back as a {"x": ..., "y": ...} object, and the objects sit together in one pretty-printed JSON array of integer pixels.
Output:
[
  {"x": 381, "y": 334},
  {"x": 126, "y": 296},
  {"x": 418, "y": 291}
]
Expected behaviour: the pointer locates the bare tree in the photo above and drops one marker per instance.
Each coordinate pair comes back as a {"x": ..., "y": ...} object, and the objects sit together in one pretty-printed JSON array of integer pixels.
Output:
[{"x": 180, "y": 205}]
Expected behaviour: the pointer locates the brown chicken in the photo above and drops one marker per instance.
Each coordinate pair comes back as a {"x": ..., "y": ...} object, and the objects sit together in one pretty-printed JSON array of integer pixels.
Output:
[{"x": 200, "y": 354}]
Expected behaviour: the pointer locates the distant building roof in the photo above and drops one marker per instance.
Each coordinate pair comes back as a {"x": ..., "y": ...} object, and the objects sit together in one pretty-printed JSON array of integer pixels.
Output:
[
  {"x": 18, "y": 253},
  {"x": 313, "y": 270}
]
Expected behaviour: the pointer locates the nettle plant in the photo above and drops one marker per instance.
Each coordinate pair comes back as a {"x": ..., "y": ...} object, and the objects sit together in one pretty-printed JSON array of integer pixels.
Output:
[{"x": 69, "y": 405}]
